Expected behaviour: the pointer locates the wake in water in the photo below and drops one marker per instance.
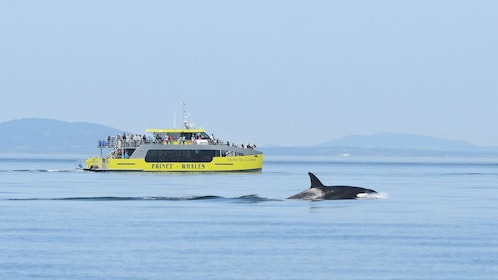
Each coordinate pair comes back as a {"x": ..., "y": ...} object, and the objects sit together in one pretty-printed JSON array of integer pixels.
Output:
[
  {"x": 43, "y": 170},
  {"x": 253, "y": 198}
]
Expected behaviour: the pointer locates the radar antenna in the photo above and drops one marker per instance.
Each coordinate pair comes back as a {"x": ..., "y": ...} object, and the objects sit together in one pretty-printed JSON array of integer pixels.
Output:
[{"x": 186, "y": 122}]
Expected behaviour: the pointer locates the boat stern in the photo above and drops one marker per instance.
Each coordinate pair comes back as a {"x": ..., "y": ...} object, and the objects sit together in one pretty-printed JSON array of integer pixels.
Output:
[{"x": 94, "y": 163}]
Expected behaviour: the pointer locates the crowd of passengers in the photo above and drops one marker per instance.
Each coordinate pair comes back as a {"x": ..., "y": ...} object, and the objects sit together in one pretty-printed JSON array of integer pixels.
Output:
[{"x": 135, "y": 140}]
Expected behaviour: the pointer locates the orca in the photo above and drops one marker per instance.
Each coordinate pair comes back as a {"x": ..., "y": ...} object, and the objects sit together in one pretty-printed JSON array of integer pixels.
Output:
[{"x": 318, "y": 191}]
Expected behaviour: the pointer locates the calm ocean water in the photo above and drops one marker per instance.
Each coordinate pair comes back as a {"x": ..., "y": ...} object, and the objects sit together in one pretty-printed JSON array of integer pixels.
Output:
[{"x": 436, "y": 218}]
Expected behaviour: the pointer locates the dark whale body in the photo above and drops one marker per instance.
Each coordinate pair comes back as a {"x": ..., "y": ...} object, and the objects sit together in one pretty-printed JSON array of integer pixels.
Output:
[{"x": 318, "y": 191}]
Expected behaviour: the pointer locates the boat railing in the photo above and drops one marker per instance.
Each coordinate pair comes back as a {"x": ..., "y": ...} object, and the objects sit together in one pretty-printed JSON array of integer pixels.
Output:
[
  {"x": 120, "y": 143},
  {"x": 113, "y": 143}
]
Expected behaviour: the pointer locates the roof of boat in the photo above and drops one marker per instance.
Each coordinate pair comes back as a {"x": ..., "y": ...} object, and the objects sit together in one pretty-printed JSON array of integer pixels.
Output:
[{"x": 174, "y": 130}]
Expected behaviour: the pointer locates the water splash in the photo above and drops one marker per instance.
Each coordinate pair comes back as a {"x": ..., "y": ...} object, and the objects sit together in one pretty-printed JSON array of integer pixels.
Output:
[{"x": 377, "y": 195}]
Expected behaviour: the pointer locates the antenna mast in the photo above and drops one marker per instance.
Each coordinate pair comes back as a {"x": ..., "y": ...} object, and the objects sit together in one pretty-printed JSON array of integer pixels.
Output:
[{"x": 186, "y": 122}]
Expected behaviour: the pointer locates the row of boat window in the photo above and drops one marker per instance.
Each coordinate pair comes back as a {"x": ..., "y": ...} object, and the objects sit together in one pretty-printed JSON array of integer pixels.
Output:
[
  {"x": 177, "y": 155},
  {"x": 180, "y": 155}
]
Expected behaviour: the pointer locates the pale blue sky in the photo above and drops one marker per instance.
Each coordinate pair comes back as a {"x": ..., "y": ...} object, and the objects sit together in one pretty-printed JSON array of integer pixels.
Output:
[{"x": 264, "y": 72}]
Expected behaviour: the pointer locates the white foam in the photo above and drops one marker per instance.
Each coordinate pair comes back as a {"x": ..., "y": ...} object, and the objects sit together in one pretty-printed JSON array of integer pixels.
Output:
[
  {"x": 379, "y": 195},
  {"x": 361, "y": 195}
]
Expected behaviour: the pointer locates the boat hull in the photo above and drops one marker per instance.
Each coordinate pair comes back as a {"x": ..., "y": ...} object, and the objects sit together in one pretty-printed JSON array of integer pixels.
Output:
[{"x": 218, "y": 164}]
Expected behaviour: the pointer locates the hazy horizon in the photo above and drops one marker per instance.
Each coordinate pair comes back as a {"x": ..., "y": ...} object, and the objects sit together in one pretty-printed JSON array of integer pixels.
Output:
[
  {"x": 278, "y": 72},
  {"x": 49, "y": 128}
]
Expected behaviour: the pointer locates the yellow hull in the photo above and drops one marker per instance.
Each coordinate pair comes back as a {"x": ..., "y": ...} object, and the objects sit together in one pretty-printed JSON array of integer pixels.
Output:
[{"x": 218, "y": 164}]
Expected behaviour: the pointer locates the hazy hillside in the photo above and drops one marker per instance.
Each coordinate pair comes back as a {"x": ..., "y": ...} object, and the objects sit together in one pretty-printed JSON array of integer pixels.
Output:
[
  {"x": 400, "y": 141},
  {"x": 387, "y": 144},
  {"x": 51, "y": 136},
  {"x": 46, "y": 136}
]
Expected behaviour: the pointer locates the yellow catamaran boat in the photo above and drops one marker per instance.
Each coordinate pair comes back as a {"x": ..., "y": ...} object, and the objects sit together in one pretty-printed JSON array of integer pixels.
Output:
[{"x": 174, "y": 150}]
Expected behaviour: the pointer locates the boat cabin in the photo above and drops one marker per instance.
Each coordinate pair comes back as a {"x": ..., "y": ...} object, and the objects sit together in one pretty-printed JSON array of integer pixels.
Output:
[{"x": 180, "y": 136}]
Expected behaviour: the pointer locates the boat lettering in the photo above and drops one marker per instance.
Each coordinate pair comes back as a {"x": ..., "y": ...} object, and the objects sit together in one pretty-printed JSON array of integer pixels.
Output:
[
  {"x": 170, "y": 166},
  {"x": 197, "y": 166},
  {"x": 162, "y": 166}
]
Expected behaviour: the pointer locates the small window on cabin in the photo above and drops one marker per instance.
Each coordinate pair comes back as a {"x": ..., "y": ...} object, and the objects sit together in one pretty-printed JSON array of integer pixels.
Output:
[
  {"x": 187, "y": 136},
  {"x": 205, "y": 136}
]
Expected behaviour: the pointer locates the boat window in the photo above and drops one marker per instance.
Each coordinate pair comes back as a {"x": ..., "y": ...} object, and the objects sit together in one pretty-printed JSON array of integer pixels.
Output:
[
  {"x": 179, "y": 155},
  {"x": 230, "y": 153},
  {"x": 129, "y": 152},
  {"x": 204, "y": 135}
]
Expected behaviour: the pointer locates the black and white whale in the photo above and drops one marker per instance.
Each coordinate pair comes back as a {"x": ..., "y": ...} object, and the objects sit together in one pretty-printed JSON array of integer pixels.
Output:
[{"x": 318, "y": 191}]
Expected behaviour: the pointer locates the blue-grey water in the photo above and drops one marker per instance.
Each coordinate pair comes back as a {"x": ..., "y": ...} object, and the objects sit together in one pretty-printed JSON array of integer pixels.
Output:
[{"x": 435, "y": 218}]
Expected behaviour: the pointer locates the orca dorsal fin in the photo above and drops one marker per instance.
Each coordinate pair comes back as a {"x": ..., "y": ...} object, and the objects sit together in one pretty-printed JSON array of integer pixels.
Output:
[{"x": 315, "y": 182}]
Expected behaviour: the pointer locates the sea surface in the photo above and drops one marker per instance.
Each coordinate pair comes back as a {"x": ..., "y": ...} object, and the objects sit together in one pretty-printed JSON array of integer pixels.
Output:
[{"x": 434, "y": 218}]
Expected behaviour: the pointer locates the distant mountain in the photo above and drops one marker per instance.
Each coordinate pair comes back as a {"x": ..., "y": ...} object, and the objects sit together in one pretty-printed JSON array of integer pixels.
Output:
[
  {"x": 387, "y": 144},
  {"x": 48, "y": 136},
  {"x": 398, "y": 141}
]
